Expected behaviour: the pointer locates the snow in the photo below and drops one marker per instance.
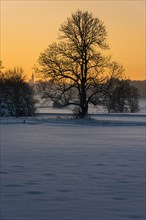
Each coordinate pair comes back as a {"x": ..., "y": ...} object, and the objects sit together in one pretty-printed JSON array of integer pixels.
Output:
[
  {"x": 47, "y": 108},
  {"x": 63, "y": 169}
]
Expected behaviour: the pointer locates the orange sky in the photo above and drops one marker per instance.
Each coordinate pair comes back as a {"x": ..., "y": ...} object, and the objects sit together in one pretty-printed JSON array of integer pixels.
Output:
[{"x": 28, "y": 27}]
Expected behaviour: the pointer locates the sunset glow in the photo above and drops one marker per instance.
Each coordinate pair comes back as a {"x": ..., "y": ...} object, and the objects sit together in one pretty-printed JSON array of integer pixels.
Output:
[{"x": 28, "y": 27}]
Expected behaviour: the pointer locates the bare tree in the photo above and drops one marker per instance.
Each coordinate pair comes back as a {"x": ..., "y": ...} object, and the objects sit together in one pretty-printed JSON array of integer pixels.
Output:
[
  {"x": 132, "y": 98},
  {"x": 111, "y": 88},
  {"x": 75, "y": 65}
]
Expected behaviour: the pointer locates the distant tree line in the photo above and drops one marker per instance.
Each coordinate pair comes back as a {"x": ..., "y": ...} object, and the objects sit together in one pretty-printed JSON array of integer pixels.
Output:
[{"x": 17, "y": 97}]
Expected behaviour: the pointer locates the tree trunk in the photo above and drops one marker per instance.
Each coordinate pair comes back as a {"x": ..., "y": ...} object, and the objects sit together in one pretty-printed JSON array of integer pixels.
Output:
[
  {"x": 84, "y": 111},
  {"x": 83, "y": 103}
]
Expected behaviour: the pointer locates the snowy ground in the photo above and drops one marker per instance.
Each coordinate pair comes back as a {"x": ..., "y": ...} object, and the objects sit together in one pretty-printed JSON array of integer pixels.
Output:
[{"x": 59, "y": 169}]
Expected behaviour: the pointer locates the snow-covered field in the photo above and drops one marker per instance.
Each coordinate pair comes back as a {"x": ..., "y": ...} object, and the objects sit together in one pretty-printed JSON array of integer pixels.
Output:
[{"x": 63, "y": 169}]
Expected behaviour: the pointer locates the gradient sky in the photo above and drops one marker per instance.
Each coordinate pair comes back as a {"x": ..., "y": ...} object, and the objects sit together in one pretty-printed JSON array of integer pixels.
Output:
[{"x": 28, "y": 27}]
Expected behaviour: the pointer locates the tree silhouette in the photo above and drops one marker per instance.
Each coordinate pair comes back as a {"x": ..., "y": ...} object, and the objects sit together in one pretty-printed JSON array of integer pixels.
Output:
[
  {"x": 16, "y": 96},
  {"x": 75, "y": 65},
  {"x": 118, "y": 93}
]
